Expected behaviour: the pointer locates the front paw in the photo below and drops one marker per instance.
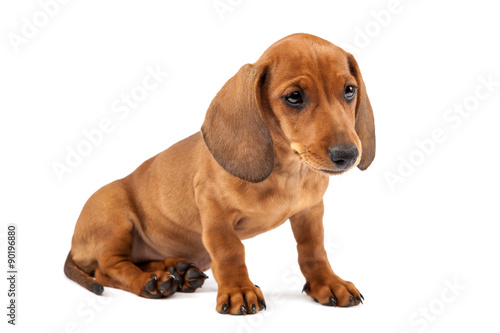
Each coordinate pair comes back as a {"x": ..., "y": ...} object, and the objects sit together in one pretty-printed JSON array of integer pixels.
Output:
[
  {"x": 333, "y": 291},
  {"x": 238, "y": 300}
]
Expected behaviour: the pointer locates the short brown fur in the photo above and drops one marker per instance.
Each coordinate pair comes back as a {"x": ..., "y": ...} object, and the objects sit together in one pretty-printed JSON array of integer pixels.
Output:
[{"x": 256, "y": 163}]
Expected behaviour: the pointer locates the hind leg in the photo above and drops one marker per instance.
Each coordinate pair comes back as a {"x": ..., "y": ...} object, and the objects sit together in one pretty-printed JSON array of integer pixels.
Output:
[
  {"x": 117, "y": 270},
  {"x": 188, "y": 276},
  {"x": 102, "y": 247},
  {"x": 154, "y": 279}
]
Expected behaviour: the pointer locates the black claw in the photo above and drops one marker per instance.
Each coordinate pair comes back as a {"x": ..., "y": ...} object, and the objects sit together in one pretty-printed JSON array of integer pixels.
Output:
[
  {"x": 360, "y": 294},
  {"x": 165, "y": 286},
  {"x": 224, "y": 308},
  {"x": 315, "y": 299},
  {"x": 193, "y": 274},
  {"x": 243, "y": 310},
  {"x": 331, "y": 301},
  {"x": 180, "y": 280},
  {"x": 150, "y": 286},
  {"x": 257, "y": 286},
  {"x": 350, "y": 304},
  {"x": 204, "y": 276},
  {"x": 359, "y": 299},
  {"x": 254, "y": 309},
  {"x": 263, "y": 303},
  {"x": 306, "y": 287},
  {"x": 183, "y": 265}
]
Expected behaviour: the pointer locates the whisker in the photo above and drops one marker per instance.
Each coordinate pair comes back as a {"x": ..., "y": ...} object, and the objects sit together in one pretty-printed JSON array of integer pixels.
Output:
[{"x": 279, "y": 143}]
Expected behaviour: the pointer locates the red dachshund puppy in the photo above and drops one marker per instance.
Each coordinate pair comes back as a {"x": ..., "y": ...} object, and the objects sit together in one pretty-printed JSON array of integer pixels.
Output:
[{"x": 271, "y": 139}]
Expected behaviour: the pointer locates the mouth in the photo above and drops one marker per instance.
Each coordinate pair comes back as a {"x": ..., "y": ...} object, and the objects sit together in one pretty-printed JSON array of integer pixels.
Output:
[
  {"x": 306, "y": 157},
  {"x": 322, "y": 171},
  {"x": 333, "y": 172}
]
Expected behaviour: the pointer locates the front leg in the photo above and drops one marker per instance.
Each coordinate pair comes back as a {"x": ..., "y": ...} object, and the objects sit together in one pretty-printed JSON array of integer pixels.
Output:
[
  {"x": 237, "y": 295},
  {"x": 322, "y": 284}
]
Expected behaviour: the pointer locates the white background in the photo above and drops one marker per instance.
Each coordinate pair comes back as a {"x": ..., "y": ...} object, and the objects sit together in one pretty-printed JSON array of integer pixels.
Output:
[{"x": 403, "y": 246}]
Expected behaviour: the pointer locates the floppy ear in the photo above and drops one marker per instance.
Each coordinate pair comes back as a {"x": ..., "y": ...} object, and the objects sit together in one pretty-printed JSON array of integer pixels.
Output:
[
  {"x": 365, "y": 125},
  {"x": 234, "y": 131}
]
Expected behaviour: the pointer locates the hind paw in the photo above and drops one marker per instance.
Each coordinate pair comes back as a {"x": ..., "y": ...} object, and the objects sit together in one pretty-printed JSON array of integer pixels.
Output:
[
  {"x": 188, "y": 276},
  {"x": 160, "y": 285}
]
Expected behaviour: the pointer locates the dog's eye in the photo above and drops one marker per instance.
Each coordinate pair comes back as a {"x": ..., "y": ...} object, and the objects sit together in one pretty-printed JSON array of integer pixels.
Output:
[
  {"x": 349, "y": 92},
  {"x": 294, "y": 99}
]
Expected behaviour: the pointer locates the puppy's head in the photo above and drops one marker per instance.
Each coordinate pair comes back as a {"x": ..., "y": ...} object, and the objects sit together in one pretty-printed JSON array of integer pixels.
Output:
[{"x": 308, "y": 91}]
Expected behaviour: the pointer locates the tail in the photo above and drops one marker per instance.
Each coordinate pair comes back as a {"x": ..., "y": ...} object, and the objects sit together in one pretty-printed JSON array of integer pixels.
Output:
[{"x": 73, "y": 272}]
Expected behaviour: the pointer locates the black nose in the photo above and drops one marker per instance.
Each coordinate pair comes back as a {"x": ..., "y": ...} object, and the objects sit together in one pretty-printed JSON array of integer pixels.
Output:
[{"x": 343, "y": 157}]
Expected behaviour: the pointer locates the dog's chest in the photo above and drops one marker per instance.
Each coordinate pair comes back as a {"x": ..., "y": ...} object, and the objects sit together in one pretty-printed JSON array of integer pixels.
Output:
[{"x": 273, "y": 203}]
